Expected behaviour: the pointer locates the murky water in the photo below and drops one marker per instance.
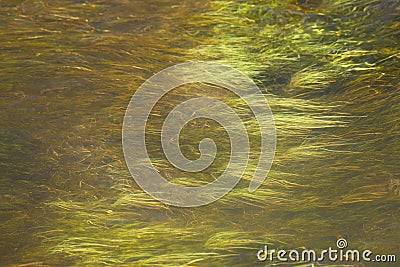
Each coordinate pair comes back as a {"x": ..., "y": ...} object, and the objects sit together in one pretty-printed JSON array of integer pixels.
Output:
[{"x": 69, "y": 68}]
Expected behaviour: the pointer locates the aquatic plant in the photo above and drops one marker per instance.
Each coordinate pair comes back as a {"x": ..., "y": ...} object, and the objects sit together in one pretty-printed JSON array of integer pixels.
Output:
[{"x": 328, "y": 68}]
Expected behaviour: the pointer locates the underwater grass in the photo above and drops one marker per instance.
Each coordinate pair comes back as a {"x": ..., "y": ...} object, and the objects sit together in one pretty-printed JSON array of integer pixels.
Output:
[{"x": 330, "y": 73}]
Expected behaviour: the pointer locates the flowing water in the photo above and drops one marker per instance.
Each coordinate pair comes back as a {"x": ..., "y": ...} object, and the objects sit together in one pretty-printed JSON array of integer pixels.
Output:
[{"x": 69, "y": 68}]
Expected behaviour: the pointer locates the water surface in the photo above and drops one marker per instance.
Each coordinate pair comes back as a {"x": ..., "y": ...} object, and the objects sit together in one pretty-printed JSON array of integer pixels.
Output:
[{"x": 69, "y": 68}]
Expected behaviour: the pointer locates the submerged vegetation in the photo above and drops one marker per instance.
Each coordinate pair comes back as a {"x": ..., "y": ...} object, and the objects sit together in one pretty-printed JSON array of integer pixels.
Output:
[{"x": 330, "y": 71}]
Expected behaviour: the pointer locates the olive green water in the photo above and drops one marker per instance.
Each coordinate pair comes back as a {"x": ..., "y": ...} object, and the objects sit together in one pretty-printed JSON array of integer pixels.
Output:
[{"x": 68, "y": 69}]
